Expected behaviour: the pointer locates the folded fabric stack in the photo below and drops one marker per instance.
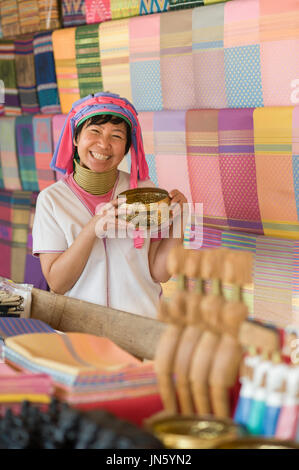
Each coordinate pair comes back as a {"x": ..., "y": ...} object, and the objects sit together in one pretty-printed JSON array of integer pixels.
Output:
[
  {"x": 84, "y": 368},
  {"x": 15, "y": 387}
]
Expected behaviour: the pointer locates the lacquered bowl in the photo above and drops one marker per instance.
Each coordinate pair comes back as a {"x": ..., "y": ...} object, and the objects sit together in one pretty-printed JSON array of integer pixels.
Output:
[
  {"x": 192, "y": 432},
  {"x": 149, "y": 206}
]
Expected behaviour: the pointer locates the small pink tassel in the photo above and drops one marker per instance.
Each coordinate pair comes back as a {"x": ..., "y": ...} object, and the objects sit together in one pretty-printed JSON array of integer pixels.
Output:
[{"x": 138, "y": 239}]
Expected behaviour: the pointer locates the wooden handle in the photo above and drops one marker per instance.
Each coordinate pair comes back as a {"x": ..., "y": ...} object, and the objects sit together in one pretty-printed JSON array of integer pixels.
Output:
[
  {"x": 175, "y": 260},
  {"x": 192, "y": 267},
  {"x": 237, "y": 267},
  {"x": 212, "y": 262}
]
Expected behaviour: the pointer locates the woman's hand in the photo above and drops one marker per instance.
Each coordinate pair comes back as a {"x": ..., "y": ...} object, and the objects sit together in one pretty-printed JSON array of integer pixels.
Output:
[
  {"x": 107, "y": 222},
  {"x": 178, "y": 207}
]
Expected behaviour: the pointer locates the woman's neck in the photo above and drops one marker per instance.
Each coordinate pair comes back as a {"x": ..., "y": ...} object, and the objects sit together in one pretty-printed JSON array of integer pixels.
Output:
[{"x": 92, "y": 182}]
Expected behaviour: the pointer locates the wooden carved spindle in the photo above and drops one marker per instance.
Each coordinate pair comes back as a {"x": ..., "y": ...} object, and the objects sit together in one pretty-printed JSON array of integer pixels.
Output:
[
  {"x": 173, "y": 312},
  {"x": 191, "y": 333},
  {"x": 210, "y": 308},
  {"x": 237, "y": 270}
]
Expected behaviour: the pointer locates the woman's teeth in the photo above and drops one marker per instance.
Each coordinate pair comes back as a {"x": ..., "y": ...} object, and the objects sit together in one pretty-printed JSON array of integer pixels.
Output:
[{"x": 99, "y": 156}]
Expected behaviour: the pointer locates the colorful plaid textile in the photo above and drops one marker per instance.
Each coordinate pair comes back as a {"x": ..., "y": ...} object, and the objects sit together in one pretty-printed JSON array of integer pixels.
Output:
[
  {"x": 25, "y": 147},
  {"x": 97, "y": 11},
  {"x": 65, "y": 64},
  {"x": 8, "y": 75},
  {"x": 33, "y": 272},
  {"x": 274, "y": 171},
  {"x": 237, "y": 169},
  {"x": 208, "y": 56},
  {"x": 8, "y": 154},
  {"x": 147, "y": 125},
  {"x": 21, "y": 326},
  {"x": 5, "y": 232},
  {"x": 203, "y": 163},
  {"x": 25, "y": 71},
  {"x": 9, "y": 18},
  {"x": 88, "y": 60},
  {"x": 21, "y": 204},
  {"x": 45, "y": 73},
  {"x": 145, "y": 63},
  {"x": 114, "y": 51},
  {"x": 43, "y": 150},
  {"x": 171, "y": 151},
  {"x": 124, "y": 8},
  {"x": 178, "y": 90},
  {"x": 73, "y": 12},
  {"x": 153, "y": 6}
]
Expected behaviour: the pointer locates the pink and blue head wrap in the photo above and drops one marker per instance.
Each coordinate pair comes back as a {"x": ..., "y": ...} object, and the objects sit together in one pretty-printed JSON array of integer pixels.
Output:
[{"x": 101, "y": 103}]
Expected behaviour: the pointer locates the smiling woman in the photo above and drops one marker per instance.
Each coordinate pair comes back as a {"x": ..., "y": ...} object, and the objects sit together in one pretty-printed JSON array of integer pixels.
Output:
[{"x": 75, "y": 216}]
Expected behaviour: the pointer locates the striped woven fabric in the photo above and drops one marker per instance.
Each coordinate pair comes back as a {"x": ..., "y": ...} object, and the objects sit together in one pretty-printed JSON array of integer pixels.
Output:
[
  {"x": 33, "y": 272},
  {"x": 171, "y": 151},
  {"x": 8, "y": 154},
  {"x": 147, "y": 125},
  {"x": 8, "y": 75},
  {"x": 1, "y": 175},
  {"x": 25, "y": 72},
  {"x": 203, "y": 165},
  {"x": 153, "y": 6},
  {"x": 97, "y": 11},
  {"x": 237, "y": 169},
  {"x": 49, "y": 13},
  {"x": 279, "y": 37},
  {"x": 92, "y": 368},
  {"x": 57, "y": 125},
  {"x": 65, "y": 64},
  {"x": 21, "y": 204},
  {"x": 22, "y": 326},
  {"x": 124, "y": 8},
  {"x": 25, "y": 148},
  {"x": 28, "y": 16},
  {"x": 45, "y": 73},
  {"x": 176, "y": 60},
  {"x": 73, "y": 12},
  {"x": 114, "y": 52},
  {"x": 43, "y": 150},
  {"x": 273, "y": 280},
  {"x": 88, "y": 59},
  {"x": 274, "y": 171},
  {"x": 9, "y": 18},
  {"x": 183, "y": 4},
  {"x": 208, "y": 56},
  {"x": 242, "y": 54},
  {"x": 145, "y": 63},
  {"x": 5, "y": 232}
]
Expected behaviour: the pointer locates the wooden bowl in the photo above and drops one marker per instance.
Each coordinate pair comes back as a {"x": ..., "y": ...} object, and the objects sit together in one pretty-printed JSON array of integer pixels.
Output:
[
  {"x": 150, "y": 206},
  {"x": 194, "y": 432}
]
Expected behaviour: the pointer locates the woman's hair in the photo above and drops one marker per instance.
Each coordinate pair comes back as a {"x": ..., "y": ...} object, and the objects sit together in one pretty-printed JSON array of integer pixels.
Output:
[{"x": 102, "y": 119}]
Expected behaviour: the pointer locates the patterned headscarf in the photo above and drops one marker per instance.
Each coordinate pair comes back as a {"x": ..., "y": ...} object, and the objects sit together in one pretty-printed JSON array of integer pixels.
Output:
[{"x": 101, "y": 103}]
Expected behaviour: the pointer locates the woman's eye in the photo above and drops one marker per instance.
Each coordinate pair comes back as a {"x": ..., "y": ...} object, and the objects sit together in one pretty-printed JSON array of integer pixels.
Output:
[{"x": 117, "y": 136}]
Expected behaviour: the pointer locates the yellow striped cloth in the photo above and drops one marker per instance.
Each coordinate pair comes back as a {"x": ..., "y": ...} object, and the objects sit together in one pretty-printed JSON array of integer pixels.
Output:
[
  {"x": 114, "y": 52},
  {"x": 64, "y": 51}
]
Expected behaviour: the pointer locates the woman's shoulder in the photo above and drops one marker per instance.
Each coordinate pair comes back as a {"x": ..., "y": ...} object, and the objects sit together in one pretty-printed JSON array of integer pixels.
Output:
[{"x": 54, "y": 191}]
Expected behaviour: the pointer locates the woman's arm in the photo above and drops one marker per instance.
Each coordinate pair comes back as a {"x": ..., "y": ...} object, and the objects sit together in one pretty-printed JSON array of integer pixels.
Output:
[
  {"x": 159, "y": 250},
  {"x": 62, "y": 270}
]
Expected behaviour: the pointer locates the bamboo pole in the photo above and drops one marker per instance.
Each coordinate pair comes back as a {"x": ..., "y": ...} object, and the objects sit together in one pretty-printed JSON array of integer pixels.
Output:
[{"x": 136, "y": 334}]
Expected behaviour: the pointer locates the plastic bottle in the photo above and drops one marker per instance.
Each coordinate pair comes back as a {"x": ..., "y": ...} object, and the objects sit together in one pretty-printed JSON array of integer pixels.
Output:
[
  {"x": 258, "y": 406},
  {"x": 289, "y": 414},
  {"x": 275, "y": 391},
  {"x": 250, "y": 362}
]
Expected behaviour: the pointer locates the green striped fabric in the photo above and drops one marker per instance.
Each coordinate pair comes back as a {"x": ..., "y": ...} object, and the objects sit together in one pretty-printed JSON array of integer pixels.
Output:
[{"x": 88, "y": 59}]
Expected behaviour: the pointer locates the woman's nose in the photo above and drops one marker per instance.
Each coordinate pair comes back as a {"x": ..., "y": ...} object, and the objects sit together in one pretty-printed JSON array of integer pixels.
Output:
[{"x": 103, "y": 141}]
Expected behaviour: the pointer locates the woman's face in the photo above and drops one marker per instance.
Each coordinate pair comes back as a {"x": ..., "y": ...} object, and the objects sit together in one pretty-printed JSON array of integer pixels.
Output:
[{"x": 101, "y": 147}]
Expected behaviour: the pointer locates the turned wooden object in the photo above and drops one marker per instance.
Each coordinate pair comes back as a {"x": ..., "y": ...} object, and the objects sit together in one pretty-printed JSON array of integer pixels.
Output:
[
  {"x": 174, "y": 313},
  {"x": 210, "y": 308},
  {"x": 191, "y": 333},
  {"x": 237, "y": 270}
]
